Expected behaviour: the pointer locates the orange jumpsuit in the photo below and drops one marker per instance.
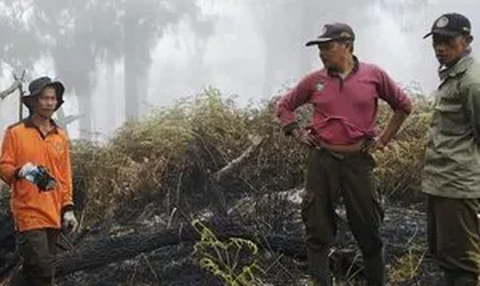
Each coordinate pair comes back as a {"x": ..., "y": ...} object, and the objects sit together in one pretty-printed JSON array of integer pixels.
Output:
[{"x": 23, "y": 142}]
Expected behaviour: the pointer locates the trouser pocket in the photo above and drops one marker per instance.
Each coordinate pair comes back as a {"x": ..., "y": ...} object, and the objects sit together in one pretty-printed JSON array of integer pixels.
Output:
[{"x": 318, "y": 217}]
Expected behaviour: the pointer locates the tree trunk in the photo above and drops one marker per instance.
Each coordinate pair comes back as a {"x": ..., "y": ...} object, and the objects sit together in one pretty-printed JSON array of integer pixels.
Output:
[
  {"x": 198, "y": 72},
  {"x": 85, "y": 107},
  {"x": 61, "y": 119},
  {"x": 112, "y": 106},
  {"x": 130, "y": 45},
  {"x": 142, "y": 92},
  {"x": 308, "y": 31},
  {"x": 269, "y": 70},
  {"x": 131, "y": 97}
]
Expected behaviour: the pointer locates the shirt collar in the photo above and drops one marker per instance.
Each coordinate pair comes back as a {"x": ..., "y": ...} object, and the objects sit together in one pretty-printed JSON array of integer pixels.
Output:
[
  {"x": 460, "y": 67},
  {"x": 356, "y": 65},
  {"x": 29, "y": 124}
]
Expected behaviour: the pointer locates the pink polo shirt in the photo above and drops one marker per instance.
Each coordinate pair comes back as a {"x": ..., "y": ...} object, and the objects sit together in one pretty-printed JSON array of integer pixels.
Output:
[{"x": 345, "y": 110}]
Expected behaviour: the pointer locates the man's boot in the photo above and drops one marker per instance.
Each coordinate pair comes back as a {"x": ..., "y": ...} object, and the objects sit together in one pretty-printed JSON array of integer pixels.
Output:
[
  {"x": 318, "y": 262},
  {"x": 448, "y": 278},
  {"x": 467, "y": 279},
  {"x": 18, "y": 278},
  {"x": 375, "y": 269},
  {"x": 458, "y": 278}
]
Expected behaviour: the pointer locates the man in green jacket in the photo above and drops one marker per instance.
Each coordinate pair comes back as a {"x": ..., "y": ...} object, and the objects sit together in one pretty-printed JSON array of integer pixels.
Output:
[{"x": 451, "y": 177}]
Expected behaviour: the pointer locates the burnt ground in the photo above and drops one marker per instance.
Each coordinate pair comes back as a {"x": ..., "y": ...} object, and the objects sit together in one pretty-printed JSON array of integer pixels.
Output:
[{"x": 404, "y": 232}]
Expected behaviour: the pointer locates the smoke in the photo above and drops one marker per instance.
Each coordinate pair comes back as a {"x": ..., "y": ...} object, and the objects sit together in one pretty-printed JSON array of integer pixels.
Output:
[{"x": 234, "y": 57}]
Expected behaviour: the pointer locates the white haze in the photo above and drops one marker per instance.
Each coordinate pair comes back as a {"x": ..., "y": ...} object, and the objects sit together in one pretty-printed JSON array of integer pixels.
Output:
[{"x": 235, "y": 58}]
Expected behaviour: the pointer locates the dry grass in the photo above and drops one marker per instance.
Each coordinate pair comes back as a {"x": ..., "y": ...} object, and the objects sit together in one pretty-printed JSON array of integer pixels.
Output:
[
  {"x": 407, "y": 267},
  {"x": 175, "y": 151},
  {"x": 173, "y": 154}
]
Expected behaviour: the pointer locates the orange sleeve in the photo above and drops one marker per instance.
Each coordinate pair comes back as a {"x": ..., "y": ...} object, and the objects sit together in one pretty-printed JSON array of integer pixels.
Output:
[
  {"x": 8, "y": 168},
  {"x": 66, "y": 181}
]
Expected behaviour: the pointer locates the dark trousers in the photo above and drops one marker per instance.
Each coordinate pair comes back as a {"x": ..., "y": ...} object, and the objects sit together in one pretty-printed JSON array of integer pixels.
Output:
[
  {"x": 330, "y": 176},
  {"x": 454, "y": 238},
  {"x": 37, "y": 248}
]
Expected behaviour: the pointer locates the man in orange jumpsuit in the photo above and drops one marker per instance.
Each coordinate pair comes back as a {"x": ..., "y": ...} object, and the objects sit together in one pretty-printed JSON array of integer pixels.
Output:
[{"x": 35, "y": 163}]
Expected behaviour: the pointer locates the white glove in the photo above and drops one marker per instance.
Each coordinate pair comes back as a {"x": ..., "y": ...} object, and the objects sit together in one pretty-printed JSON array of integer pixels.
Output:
[
  {"x": 69, "y": 221},
  {"x": 26, "y": 169}
]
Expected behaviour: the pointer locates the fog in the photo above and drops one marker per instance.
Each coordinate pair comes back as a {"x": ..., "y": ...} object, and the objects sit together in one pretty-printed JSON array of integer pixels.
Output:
[{"x": 124, "y": 59}]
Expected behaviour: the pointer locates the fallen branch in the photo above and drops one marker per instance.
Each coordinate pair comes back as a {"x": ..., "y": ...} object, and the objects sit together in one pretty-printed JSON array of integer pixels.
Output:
[
  {"x": 256, "y": 140},
  {"x": 70, "y": 118},
  {"x": 17, "y": 83},
  {"x": 234, "y": 165}
]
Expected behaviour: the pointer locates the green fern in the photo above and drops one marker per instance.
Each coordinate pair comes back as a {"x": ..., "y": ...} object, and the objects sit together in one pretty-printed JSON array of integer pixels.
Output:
[{"x": 221, "y": 259}]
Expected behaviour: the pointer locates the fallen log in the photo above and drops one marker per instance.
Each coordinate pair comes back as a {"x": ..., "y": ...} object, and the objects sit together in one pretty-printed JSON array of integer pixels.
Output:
[
  {"x": 233, "y": 166},
  {"x": 94, "y": 254},
  {"x": 403, "y": 230}
]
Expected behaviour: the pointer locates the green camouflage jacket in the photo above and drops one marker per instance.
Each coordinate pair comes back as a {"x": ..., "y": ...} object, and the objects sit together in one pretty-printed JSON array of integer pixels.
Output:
[{"x": 452, "y": 162}]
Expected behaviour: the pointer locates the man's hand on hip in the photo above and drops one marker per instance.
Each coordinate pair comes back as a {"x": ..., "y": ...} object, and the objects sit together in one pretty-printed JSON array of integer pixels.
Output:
[
  {"x": 374, "y": 145},
  {"x": 305, "y": 137}
]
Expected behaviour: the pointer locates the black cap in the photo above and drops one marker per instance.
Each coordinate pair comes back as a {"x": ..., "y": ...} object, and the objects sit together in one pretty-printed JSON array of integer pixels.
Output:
[
  {"x": 36, "y": 87},
  {"x": 451, "y": 25},
  {"x": 333, "y": 32}
]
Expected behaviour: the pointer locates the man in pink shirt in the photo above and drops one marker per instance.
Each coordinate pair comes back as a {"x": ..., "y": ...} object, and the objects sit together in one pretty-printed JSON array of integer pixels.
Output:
[{"x": 341, "y": 136}]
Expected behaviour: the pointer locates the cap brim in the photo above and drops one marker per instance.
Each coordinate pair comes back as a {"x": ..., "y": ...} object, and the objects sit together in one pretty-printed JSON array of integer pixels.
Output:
[
  {"x": 442, "y": 32},
  {"x": 318, "y": 41}
]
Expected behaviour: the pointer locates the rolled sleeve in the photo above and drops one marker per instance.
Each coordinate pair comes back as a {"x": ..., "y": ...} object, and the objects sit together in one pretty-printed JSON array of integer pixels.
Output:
[
  {"x": 391, "y": 93},
  {"x": 8, "y": 168}
]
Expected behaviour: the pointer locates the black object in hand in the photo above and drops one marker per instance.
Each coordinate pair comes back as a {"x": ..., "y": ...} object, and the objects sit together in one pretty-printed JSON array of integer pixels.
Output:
[{"x": 44, "y": 180}]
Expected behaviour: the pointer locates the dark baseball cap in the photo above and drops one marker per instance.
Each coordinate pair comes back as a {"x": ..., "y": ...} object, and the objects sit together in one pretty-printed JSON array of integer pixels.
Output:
[
  {"x": 451, "y": 25},
  {"x": 333, "y": 32}
]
